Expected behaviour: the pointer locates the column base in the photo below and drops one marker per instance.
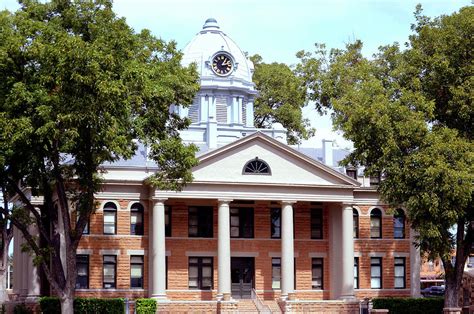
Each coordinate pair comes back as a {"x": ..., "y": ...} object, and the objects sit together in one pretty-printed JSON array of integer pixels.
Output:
[
  {"x": 223, "y": 297},
  {"x": 159, "y": 297},
  {"x": 348, "y": 297}
]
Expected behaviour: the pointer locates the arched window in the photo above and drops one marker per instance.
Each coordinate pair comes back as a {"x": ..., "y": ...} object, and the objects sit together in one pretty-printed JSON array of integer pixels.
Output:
[
  {"x": 375, "y": 223},
  {"x": 355, "y": 221},
  {"x": 399, "y": 224},
  {"x": 110, "y": 218},
  {"x": 256, "y": 166},
  {"x": 136, "y": 219}
]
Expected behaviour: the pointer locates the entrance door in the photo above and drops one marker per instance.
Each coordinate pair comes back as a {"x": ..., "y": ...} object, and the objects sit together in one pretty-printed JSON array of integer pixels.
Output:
[{"x": 242, "y": 274}]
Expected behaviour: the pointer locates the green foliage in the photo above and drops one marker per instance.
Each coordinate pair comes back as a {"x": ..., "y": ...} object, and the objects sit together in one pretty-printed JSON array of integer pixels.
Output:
[
  {"x": 145, "y": 306},
  {"x": 282, "y": 95},
  {"x": 409, "y": 305},
  {"x": 410, "y": 115},
  {"x": 21, "y": 309},
  {"x": 78, "y": 88},
  {"x": 84, "y": 305}
]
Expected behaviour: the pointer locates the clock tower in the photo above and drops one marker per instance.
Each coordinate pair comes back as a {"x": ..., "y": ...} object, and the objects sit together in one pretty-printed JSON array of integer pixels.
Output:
[{"x": 223, "y": 109}]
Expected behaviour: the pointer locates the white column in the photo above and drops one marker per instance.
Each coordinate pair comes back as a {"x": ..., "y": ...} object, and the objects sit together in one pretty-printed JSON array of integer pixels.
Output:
[
  {"x": 287, "y": 250},
  {"x": 249, "y": 114},
  {"x": 415, "y": 265},
  {"x": 203, "y": 109},
  {"x": 223, "y": 251},
  {"x": 347, "y": 274},
  {"x": 33, "y": 276},
  {"x": 235, "y": 110},
  {"x": 16, "y": 261},
  {"x": 158, "y": 251}
]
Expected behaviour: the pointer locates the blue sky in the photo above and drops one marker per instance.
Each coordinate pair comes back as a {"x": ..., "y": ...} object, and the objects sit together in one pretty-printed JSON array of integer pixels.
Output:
[{"x": 278, "y": 29}]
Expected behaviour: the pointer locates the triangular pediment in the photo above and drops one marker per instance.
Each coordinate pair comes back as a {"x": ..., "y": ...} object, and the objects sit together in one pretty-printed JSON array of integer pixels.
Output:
[{"x": 288, "y": 166}]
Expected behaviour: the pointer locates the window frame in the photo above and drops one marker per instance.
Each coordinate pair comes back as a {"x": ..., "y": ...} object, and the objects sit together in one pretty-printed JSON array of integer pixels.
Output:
[
  {"x": 376, "y": 213},
  {"x": 104, "y": 263},
  {"x": 376, "y": 262},
  {"x": 142, "y": 266},
  {"x": 87, "y": 258},
  {"x": 276, "y": 262},
  {"x": 351, "y": 172},
  {"x": 141, "y": 211},
  {"x": 399, "y": 214},
  {"x": 200, "y": 264},
  {"x": 275, "y": 225},
  {"x": 247, "y": 171},
  {"x": 168, "y": 225},
  {"x": 205, "y": 221},
  {"x": 315, "y": 267},
  {"x": 356, "y": 272},
  {"x": 355, "y": 223},
  {"x": 403, "y": 265},
  {"x": 113, "y": 210},
  {"x": 317, "y": 212},
  {"x": 246, "y": 222}
]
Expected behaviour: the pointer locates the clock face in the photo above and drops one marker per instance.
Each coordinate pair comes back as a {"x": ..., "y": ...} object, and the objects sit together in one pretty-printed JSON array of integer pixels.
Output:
[{"x": 222, "y": 64}]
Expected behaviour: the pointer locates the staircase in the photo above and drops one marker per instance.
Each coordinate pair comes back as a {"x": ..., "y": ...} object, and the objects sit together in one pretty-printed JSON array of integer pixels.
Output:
[
  {"x": 246, "y": 306},
  {"x": 273, "y": 306}
]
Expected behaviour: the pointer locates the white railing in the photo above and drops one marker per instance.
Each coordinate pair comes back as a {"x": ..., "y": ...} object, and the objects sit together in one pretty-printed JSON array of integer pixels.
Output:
[{"x": 261, "y": 307}]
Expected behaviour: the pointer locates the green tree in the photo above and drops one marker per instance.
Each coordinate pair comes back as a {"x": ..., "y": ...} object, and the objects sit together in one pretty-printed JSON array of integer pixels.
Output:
[
  {"x": 282, "y": 96},
  {"x": 78, "y": 87},
  {"x": 6, "y": 236},
  {"x": 410, "y": 115}
]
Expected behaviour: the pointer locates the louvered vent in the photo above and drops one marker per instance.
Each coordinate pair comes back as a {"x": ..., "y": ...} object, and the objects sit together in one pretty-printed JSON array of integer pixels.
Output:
[
  {"x": 194, "y": 111},
  {"x": 221, "y": 107},
  {"x": 244, "y": 112}
]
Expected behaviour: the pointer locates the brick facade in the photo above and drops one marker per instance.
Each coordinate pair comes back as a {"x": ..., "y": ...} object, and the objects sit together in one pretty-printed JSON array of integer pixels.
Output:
[{"x": 262, "y": 247}]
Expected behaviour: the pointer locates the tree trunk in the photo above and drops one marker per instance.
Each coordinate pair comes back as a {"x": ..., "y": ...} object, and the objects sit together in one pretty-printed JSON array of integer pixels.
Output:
[
  {"x": 67, "y": 303},
  {"x": 3, "y": 284},
  {"x": 451, "y": 297}
]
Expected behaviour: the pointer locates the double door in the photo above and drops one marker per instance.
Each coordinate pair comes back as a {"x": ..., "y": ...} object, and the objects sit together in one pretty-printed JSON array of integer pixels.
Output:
[{"x": 242, "y": 276}]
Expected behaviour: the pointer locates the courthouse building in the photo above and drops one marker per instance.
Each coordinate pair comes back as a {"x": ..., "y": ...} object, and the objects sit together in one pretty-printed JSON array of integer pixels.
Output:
[{"x": 261, "y": 220}]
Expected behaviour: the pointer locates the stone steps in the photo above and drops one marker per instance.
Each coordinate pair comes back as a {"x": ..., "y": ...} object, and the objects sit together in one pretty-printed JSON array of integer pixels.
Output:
[
  {"x": 273, "y": 305},
  {"x": 246, "y": 306}
]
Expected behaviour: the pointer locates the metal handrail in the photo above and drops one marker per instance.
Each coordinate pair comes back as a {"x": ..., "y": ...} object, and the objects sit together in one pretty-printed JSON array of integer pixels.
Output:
[{"x": 261, "y": 307}]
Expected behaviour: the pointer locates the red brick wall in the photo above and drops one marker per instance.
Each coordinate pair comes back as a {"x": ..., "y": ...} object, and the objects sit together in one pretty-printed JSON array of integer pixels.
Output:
[{"x": 260, "y": 246}]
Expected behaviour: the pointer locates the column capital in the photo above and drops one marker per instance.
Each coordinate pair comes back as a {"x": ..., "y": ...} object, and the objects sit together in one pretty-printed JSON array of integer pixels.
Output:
[
  {"x": 287, "y": 202},
  {"x": 347, "y": 206},
  {"x": 224, "y": 200},
  {"x": 159, "y": 200}
]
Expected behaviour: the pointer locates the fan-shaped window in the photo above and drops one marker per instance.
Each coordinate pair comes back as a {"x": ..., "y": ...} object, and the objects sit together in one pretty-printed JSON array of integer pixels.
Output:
[{"x": 256, "y": 166}]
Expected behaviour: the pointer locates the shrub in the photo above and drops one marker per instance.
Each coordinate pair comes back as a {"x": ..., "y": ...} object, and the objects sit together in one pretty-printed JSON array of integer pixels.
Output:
[
  {"x": 410, "y": 305},
  {"x": 145, "y": 306},
  {"x": 51, "y": 305},
  {"x": 21, "y": 309}
]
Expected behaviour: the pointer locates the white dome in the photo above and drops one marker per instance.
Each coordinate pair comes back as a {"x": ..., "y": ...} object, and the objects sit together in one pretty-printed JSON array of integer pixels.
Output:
[{"x": 205, "y": 45}]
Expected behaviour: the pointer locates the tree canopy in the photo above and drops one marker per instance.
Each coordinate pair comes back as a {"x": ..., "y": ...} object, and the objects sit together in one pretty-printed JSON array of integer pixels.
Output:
[
  {"x": 410, "y": 115},
  {"x": 282, "y": 95},
  {"x": 79, "y": 88}
]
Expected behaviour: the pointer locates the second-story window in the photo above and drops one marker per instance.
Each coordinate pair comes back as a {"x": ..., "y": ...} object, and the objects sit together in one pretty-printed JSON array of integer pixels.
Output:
[
  {"x": 355, "y": 222},
  {"x": 399, "y": 224},
  {"x": 200, "y": 221},
  {"x": 136, "y": 219},
  {"x": 110, "y": 218},
  {"x": 375, "y": 223},
  {"x": 316, "y": 223},
  {"x": 241, "y": 222},
  {"x": 275, "y": 221}
]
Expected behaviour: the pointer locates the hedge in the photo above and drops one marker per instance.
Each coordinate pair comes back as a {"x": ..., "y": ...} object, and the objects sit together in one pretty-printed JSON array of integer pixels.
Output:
[
  {"x": 410, "y": 305},
  {"x": 145, "y": 306},
  {"x": 51, "y": 305}
]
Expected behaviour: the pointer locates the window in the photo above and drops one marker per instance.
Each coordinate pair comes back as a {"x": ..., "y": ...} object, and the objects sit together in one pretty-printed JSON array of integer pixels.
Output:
[
  {"x": 316, "y": 223},
  {"x": 375, "y": 223},
  {"x": 355, "y": 223},
  {"x": 356, "y": 273},
  {"x": 136, "y": 271},
  {"x": 110, "y": 270},
  {"x": 168, "y": 221},
  {"x": 241, "y": 222},
  {"x": 256, "y": 166},
  {"x": 200, "y": 221},
  {"x": 82, "y": 265},
  {"x": 376, "y": 272},
  {"x": 200, "y": 273},
  {"x": 399, "y": 224},
  {"x": 375, "y": 180},
  {"x": 275, "y": 220},
  {"x": 400, "y": 278},
  {"x": 276, "y": 273},
  {"x": 110, "y": 218},
  {"x": 317, "y": 273},
  {"x": 136, "y": 219}
]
